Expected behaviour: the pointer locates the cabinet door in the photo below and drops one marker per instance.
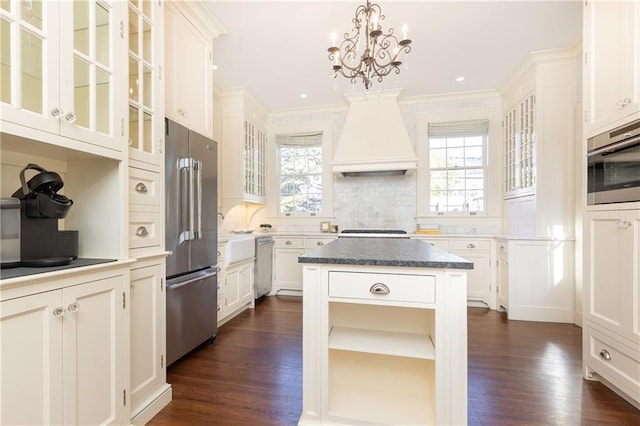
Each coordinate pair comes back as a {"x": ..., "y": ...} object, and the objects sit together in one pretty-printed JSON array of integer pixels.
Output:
[
  {"x": 147, "y": 332},
  {"x": 612, "y": 66},
  {"x": 246, "y": 283},
  {"x": 502, "y": 297},
  {"x": 232, "y": 290},
  {"x": 478, "y": 278},
  {"x": 94, "y": 346},
  {"x": 31, "y": 341},
  {"x": 612, "y": 278},
  {"x": 288, "y": 272},
  {"x": 29, "y": 68},
  {"x": 188, "y": 73},
  {"x": 92, "y": 72},
  {"x": 146, "y": 89}
]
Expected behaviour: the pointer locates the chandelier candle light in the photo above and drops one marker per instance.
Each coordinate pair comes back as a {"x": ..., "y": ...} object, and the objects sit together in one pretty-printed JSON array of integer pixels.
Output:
[{"x": 381, "y": 51}]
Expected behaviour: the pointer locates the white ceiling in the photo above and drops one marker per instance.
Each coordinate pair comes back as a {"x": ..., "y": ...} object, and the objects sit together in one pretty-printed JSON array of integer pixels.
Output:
[{"x": 278, "y": 49}]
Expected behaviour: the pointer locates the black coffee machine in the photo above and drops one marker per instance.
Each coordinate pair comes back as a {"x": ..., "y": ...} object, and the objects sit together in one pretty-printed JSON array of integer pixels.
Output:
[{"x": 41, "y": 243}]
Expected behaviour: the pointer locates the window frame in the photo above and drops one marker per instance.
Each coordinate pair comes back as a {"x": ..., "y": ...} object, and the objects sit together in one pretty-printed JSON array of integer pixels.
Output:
[{"x": 280, "y": 175}]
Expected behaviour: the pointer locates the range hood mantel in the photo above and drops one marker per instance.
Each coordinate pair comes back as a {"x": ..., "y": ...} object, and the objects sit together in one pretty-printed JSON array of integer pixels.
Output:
[{"x": 374, "y": 139}]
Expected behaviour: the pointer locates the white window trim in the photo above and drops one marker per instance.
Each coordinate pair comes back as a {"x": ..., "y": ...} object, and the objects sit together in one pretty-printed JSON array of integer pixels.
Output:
[
  {"x": 492, "y": 160},
  {"x": 273, "y": 180}
]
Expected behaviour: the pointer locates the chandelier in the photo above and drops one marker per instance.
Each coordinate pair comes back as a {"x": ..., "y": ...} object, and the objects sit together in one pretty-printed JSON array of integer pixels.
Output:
[{"x": 380, "y": 51}]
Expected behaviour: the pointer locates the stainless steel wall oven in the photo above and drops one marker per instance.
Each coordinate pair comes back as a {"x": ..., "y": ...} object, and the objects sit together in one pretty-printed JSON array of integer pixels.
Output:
[{"x": 613, "y": 165}]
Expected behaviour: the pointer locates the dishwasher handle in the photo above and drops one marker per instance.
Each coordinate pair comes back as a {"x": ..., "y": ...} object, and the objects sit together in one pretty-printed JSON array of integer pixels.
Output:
[{"x": 175, "y": 283}]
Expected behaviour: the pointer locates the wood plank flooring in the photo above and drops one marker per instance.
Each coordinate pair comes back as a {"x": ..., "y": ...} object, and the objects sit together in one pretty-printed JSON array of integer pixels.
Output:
[{"x": 520, "y": 373}]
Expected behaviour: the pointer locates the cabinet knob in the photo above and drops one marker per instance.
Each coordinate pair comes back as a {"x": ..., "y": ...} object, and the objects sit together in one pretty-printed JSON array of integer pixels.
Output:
[
  {"x": 471, "y": 245},
  {"x": 141, "y": 187},
  {"x": 604, "y": 354},
  {"x": 624, "y": 224},
  {"x": 56, "y": 112},
  {"x": 288, "y": 243},
  {"x": 70, "y": 117},
  {"x": 623, "y": 103},
  {"x": 142, "y": 231},
  {"x": 218, "y": 253},
  {"x": 58, "y": 312},
  {"x": 74, "y": 307},
  {"x": 181, "y": 112},
  {"x": 379, "y": 288}
]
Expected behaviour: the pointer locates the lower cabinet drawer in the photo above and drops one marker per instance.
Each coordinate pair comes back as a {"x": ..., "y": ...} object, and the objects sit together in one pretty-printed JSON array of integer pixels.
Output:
[
  {"x": 311, "y": 243},
  {"x": 293, "y": 242},
  {"x": 614, "y": 361},
  {"x": 144, "y": 229},
  {"x": 384, "y": 287}
]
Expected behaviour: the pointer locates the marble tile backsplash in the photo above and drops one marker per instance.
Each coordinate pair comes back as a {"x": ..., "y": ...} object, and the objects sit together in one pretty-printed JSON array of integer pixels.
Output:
[{"x": 375, "y": 202}]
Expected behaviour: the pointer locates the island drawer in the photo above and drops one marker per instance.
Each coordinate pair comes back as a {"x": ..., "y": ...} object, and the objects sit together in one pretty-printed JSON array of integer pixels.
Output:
[{"x": 383, "y": 287}]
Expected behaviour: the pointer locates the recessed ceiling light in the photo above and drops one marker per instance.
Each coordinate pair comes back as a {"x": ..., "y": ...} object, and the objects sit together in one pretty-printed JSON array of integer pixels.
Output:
[
  {"x": 303, "y": 95},
  {"x": 459, "y": 78}
]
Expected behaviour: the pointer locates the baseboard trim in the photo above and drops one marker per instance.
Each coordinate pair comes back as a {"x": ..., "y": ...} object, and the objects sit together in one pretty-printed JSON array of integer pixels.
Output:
[{"x": 156, "y": 404}]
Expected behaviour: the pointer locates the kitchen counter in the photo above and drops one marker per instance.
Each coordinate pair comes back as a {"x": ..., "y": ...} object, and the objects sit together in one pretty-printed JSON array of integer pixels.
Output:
[{"x": 384, "y": 252}]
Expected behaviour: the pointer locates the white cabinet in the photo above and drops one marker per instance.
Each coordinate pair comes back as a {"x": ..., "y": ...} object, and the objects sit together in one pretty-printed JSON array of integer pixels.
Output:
[
  {"x": 64, "y": 352},
  {"x": 189, "y": 32},
  {"x": 502, "y": 287},
  {"x": 236, "y": 290},
  {"x": 611, "y": 335},
  {"x": 146, "y": 87},
  {"x": 540, "y": 282},
  {"x": 398, "y": 357},
  {"x": 244, "y": 123},
  {"x": 148, "y": 336},
  {"x": 539, "y": 140},
  {"x": 611, "y": 65},
  {"x": 288, "y": 272},
  {"x": 63, "y": 67}
]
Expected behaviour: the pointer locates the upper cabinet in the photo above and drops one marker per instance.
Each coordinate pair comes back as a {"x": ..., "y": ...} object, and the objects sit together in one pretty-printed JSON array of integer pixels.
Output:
[
  {"x": 189, "y": 32},
  {"x": 611, "y": 64},
  {"x": 244, "y": 142},
  {"x": 62, "y": 65},
  {"x": 146, "y": 88},
  {"x": 539, "y": 139}
]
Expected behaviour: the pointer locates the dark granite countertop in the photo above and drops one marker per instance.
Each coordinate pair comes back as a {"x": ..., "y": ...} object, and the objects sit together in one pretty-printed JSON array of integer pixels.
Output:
[{"x": 384, "y": 252}]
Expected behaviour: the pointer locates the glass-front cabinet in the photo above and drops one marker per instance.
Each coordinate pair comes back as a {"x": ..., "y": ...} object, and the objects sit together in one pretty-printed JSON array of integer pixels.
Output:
[
  {"x": 61, "y": 61},
  {"x": 145, "y": 86}
]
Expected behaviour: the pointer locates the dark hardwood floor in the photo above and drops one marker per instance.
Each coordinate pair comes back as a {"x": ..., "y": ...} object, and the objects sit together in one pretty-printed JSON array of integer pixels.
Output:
[{"x": 520, "y": 373}]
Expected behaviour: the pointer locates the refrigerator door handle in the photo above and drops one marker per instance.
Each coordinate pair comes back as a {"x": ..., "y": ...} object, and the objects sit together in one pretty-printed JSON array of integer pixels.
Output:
[
  {"x": 185, "y": 209},
  {"x": 175, "y": 285},
  {"x": 192, "y": 166},
  {"x": 197, "y": 165}
]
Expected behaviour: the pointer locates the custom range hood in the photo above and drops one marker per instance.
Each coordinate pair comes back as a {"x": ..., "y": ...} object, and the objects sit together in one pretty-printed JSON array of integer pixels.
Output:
[{"x": 374, "y": 140}]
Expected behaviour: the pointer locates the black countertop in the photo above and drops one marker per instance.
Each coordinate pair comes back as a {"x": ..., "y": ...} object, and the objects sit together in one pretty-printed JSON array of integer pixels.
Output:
[{"x": 385, "y": 252}]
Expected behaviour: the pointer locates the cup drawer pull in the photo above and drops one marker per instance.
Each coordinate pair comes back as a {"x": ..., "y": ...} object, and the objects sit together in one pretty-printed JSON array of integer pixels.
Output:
[
  {"x": 604, "y": 354},
  {"x": 141, "y": 187},
  {"x": 471, "y": 245},
  {"x": 379, "y": 288},
  {"x": 142, "y": 231}
]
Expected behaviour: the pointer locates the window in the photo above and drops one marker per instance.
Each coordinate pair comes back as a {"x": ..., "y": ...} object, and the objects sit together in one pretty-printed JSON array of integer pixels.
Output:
[
  {"x": 300, "y": 169},
  {"x": 457, "y": 159}
]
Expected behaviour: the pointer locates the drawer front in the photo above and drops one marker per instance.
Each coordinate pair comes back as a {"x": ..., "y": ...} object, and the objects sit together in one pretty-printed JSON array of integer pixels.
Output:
[
  {"x": 144, "y": 229},
  {"x": 144, "y": 187},
  {"x": 479, "y": 245},
  {"x": 437, "y": 242},
  {"x": 311, "y": 243},
  {"x": 383, "y": 287},
  {"x": 293, "y": 242},
  {"x": 613, "y": 361}
]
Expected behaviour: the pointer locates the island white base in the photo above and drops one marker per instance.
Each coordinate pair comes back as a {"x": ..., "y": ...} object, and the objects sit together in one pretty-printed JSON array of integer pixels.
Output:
[{"x": 393, "y": 357}]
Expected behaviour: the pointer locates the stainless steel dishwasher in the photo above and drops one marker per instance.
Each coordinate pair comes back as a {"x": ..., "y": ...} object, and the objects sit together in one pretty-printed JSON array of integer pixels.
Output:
[{"x": 264, "y": 266}]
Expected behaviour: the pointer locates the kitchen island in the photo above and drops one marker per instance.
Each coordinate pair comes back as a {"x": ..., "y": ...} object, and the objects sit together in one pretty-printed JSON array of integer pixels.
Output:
[{"x": 384, "y": 333}]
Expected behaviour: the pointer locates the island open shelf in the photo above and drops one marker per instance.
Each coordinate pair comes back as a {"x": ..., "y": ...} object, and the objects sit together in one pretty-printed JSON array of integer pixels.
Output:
[{"x": 411, "y": 345}]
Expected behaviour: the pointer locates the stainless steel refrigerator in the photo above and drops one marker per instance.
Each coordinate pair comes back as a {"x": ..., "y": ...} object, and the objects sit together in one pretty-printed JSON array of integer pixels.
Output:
[{"x": 191, "y": 237}]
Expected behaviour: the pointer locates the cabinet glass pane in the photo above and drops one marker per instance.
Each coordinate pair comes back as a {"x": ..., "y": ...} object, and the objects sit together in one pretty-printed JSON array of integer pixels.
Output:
[
  {"x": 134, "y": 80},
  {"x": 146, "y": 41},
  {"x": 5, "y": 61},
  {"x": 134, "y": 141},
  {"x": 5, "y": 4},
  {"x": 146, "y": 86},
  {"x": 147, "y": 132},
  {"x": 81, "y": 93},
  {"x": 81, "y": 27},
  {"x": 102, "y": 36},
  {"x": 32, "y": 12},
  {"x": 133, "y": 32},
  {"x": 146, "y": 8},
  {"x": 103, "y": 110},
  {"x": 31, "y": 72}
]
